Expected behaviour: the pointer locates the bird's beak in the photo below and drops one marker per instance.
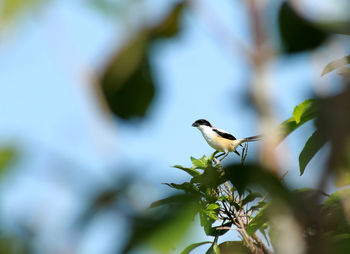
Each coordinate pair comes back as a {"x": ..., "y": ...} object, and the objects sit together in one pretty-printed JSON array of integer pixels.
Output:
[{"x": 194, "y": 125}]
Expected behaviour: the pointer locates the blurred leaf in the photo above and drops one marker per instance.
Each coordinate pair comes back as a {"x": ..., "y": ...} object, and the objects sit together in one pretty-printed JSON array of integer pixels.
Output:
[
  {"x": 258, "y": 221},
  {"x": 162, "y": 229},
  {"x": 298, "y": 34},
  {"x": 312, "y": 146},
  {"x": 251, "y": 197},
  {"x": 253, "y": 174},
  {"x": 333, "y": 123},
  {"x": 339, "y": 244},
  {"x": 336, "y": 64},
  {"x": 334, "y": 219},
  {"x": 191, "y": 247},
  {"x": 236, "y": 247},
  {"x": 12, "y": 10},
  {"x": 169, "y": 27},
  {"x": 7, "y": 155},
  {"x": 304, "y": 112},
  {"x": 127, "y": 82},
  {"x": 190, "y": 171},
  {"x": 175, "y": 199}
]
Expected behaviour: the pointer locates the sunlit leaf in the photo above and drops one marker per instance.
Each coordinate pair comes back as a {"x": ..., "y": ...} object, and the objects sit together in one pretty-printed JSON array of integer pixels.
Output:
[
  {"x": 191, "y": 247},
  {"x": 312, "y": 146},
  {"x": 302, "y": 113},
  {"x": 201, "y": 163},
  {"x": 306, "y": 110},
  {"x": 336, "y": 64},
  {"x": 213, "y": 206}
]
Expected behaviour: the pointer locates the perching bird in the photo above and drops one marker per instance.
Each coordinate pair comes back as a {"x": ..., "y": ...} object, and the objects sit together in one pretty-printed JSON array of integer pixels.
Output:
[{"x": 220, "y": 140}]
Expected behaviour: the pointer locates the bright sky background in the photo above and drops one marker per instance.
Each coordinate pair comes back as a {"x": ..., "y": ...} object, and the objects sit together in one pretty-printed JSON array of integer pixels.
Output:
[{"x": 67, "y": 144}]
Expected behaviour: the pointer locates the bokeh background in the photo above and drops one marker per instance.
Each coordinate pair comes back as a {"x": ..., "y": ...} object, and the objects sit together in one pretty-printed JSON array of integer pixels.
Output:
[{"x": 72, "y": 136}]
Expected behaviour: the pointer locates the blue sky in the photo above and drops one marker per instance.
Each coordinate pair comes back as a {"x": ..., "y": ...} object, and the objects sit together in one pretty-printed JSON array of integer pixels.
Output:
[{"x": 67, "y": 141}]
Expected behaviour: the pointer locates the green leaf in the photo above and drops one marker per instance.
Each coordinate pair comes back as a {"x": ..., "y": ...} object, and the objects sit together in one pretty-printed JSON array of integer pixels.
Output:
[
  {"x": 306, "y": 110},
  {"x": 258, "y": 221},
  {"x": 127, "y": 82},
  {"x": 170, "y": 26},
  {"x": 201, "y": 163},
  {"x": 213, "y": 206},
  {"x": 216, "y": 249},
  {"x": 302, "y": 113},
  {"x": 336, "y": 64},
  {"x": 191, "y": 247},
  {"x": 312, "y": 146},
  {"x": 190, "y": 171},
  {"x": 251, "y": 197}
]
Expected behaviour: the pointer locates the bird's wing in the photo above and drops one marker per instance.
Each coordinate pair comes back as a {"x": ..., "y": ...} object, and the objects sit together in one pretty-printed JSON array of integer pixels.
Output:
[{"x": 224, "y": 134}]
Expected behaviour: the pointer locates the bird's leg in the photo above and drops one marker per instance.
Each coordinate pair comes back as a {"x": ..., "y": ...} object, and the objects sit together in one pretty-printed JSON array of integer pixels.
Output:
[
  {"x": 223, "y": 157},
  {"x": 219, "y": 155}
]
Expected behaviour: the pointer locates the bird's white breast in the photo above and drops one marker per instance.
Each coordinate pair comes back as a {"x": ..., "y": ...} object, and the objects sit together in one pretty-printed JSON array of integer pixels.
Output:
[{"x": 211, "y": 137}]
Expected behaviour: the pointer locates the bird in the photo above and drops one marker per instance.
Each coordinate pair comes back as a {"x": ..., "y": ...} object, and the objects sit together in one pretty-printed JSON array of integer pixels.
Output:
[{"x": 221, "y": 140}]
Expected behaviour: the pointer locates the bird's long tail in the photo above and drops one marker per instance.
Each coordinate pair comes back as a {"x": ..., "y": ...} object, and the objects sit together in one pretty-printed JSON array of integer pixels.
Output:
[{"x": 253, "y": 138}]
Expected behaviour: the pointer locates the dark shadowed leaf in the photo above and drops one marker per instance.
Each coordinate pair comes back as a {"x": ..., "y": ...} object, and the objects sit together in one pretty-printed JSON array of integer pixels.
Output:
[
  {"x": 252, "y": 174},
  {"x": 298, "y": 34},
  {"x": 312, "y": 146},
  {"x": 339, "y": 244},
  {"x": 336, "y": 64},
  {"x": 127, "y": 82},
  {"x": 236, "y": 247},
  {"x": 191, "y": 247}
]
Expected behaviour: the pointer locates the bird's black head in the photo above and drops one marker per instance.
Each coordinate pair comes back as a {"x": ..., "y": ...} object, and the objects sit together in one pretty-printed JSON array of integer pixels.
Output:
[{"x": 201, "y": 122}]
